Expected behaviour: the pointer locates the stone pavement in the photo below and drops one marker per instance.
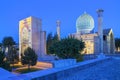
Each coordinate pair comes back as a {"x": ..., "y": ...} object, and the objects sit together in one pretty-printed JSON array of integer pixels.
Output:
[{"x": 109, "y": 70}]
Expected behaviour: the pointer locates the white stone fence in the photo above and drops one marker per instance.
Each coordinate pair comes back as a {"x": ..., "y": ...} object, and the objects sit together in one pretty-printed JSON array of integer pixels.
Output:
[
  {"x": 63, "y": 63},
  {"x": 63, "y": 73}
]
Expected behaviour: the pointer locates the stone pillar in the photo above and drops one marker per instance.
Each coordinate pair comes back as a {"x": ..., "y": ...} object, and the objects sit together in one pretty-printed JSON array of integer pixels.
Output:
[
  {"x": 42, "y": 43},
  {"x": 58, "y": 29},
  {"x": 100, "y": 30}
]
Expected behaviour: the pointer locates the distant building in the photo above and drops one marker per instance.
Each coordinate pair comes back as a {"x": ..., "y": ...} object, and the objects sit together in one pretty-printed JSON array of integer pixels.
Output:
[
  {"x": 31, "y": 35},
  {"x": 101, "y": 41}
]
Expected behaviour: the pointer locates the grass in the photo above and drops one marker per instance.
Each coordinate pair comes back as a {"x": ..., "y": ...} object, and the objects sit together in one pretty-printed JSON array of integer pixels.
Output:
[{"x": 26, "y": 70}]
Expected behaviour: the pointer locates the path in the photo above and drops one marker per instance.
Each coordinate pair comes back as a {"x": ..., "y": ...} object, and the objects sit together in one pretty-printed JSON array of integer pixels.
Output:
[{"x": 109, "y": 70}]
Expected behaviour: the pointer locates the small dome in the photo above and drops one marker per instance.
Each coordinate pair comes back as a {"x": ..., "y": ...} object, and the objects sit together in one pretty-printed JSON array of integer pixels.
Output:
[{"x": 85, "y": 23}]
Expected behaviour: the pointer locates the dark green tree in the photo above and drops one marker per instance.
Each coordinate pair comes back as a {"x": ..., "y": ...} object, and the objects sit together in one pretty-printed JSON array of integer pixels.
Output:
[
  {"x": 8, "y": 42},
  {"x": 117, "y": 43},
  {"x": 67, "y": 48},
  {"x": 55, "y": 38},
  {"x": 50, "y": 40},
  {"x": 3, "y": 63},
  {"x": 0, "y": 46},
  {"x": 13, "y": 56},
  {"x": 29, "y": 57},
  {"x": 2, "y": 57}
]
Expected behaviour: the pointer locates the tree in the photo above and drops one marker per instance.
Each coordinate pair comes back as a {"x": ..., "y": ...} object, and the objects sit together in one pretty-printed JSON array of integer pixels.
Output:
[
  {"x": 8, "y": 42},
  {"x": 3, "y": 63},
  {"x": 50, "y": 40},
  {"x": 29, "y": 57},
  {"x": 13, "y": 57},
  {"x": 2, "y": 56},
  {"x": 55, "y": 38},
  {"x": 0, "y": 46},
  {"x": 67, "y": 48},
  {"x": 117, "y": 43}
]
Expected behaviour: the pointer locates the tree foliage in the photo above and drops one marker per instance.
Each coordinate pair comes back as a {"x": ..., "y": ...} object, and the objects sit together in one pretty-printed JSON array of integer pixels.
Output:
[
  {"x": 50, "y": 40},
  {"x": 67, "y": 48},
  {"x": 2, "y": 56},
  {"x": 0, "y": 44},
  {"x": 3, "y": 63},
  {"x": 8, "y": 41},
  {"x": 55, "y": 38},
  {"x": 6, "y": 58},
  {"x": 11, "y": 55},
  {"x": 29, "y": 57}
]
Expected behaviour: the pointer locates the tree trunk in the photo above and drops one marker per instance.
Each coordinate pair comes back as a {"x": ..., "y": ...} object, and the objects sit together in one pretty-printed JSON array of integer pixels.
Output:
[{"x": 28, "y": 66}]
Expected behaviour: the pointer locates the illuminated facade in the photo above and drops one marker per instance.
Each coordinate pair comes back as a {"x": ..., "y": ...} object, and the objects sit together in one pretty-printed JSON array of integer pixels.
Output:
[
  {"x": 31, "y": 35},
  {"x": 89, "y": 41},
  {"x": 85, "y": 26}
]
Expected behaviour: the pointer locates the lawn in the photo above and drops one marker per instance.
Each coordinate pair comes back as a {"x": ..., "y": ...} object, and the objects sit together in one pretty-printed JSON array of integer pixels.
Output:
[{"x": 25, "y": 70}]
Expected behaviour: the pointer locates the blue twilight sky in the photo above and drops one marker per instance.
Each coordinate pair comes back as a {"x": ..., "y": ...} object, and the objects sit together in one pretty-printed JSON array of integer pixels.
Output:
[{"x": 12, "y": 11}]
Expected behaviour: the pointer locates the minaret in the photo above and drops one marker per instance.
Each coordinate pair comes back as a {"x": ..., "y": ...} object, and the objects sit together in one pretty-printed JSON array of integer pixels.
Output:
[
  {"x": 40, "y": 27},
  {"x": 58, "y": 28},
  {"x": 100, "y": 28}
]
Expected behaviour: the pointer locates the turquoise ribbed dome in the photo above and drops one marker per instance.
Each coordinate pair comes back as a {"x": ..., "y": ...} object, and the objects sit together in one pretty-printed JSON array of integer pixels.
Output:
[{"x": 85, "y": 23}]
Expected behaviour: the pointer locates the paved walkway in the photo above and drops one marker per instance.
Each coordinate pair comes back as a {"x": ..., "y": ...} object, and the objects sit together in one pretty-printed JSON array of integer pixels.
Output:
[{"x": 109, "y": 70}]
